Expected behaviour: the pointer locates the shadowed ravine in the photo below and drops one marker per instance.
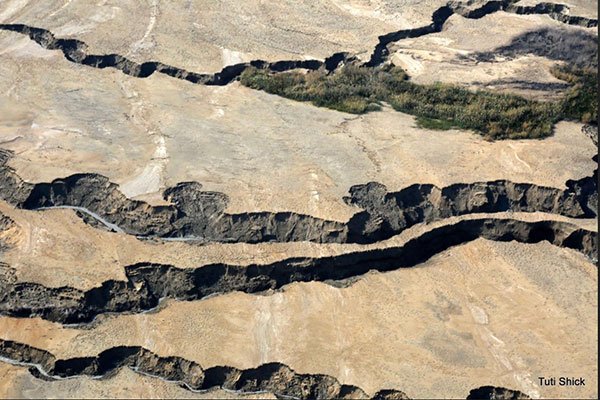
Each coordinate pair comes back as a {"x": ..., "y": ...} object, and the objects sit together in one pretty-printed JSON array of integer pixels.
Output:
[
  {"x": 275, "y": 378},
  {"x": 76, "y": 51},
  {"x": 200, "y": 215},
  {"x": 148, "y": 283}
]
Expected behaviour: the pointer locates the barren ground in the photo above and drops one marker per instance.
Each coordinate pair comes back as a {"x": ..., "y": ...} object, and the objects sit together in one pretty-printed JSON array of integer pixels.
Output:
[{"x": 481, "y": 313}]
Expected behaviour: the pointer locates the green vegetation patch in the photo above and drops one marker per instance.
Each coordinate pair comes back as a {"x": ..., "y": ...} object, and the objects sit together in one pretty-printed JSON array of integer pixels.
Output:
[
  {"x": 358, "y": 90},
  {"x": 581, "y": 101},
  {"x": 435, "y": 124},
  {"x": 350, "y": 89}
]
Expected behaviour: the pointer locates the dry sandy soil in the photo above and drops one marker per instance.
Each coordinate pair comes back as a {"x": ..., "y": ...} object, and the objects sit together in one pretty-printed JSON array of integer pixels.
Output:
[
  {"x": 483, "y": 313},
  {"x": 264, "y": 152},
  {"x": 447, "y": 56},
  {"x": 204, "y": 35},
  {"x": 479, "y": 313}
]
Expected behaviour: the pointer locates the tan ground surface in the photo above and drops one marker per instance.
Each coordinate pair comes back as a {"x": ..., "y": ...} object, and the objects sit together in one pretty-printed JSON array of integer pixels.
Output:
[
  {"x": 444, "y": 56},
  {"x": 212, "y": 34},
  {"x": 484, "y": 313},
  {"x": 481, "y": 313},
  {"x": 265, "y": 152},
  {"x": 56, "y": 248}
]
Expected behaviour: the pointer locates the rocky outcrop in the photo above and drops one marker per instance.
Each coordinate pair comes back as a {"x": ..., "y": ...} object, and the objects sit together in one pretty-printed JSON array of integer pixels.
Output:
[
  {"x": 496, "y": 393},
  {"x": 194, "y": 213},
  {"x": 559, "y": 12},
  {"x": 390, "y": 394},
  {"x": 591, "y": 131},
  {"x": 6, "y": 238},
  {"x": 147, "y": 283},
  {"x": 386, "y": 214},
  {"x": 198, "y": 215},
  {"x": 76, "y": 51}
]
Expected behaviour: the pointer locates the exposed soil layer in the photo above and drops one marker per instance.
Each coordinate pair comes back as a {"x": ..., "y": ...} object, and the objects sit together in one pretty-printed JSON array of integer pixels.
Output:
[
  {"x": 200, "y": 215},
  {"x": 272, "y": 378},
  {"x": 148, "y": 283},
  {"x": 275, "y": 378}
]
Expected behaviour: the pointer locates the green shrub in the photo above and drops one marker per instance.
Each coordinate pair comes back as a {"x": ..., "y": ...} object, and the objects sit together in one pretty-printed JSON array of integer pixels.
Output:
[
  {"x": 358, "y": 90},
  {"x": 581, "y": 100},
  {"x": 435, "y": 124}
]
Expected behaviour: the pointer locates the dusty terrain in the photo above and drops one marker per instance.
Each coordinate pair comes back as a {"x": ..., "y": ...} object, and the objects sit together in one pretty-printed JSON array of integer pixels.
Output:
[
  {"x": 451, "y": 55},
  {"x": 483, "y": 312},
  {"x": 211, "y": 35},
  {"x": 457, "y": 312},
  {"x": 579, "y": 7}
]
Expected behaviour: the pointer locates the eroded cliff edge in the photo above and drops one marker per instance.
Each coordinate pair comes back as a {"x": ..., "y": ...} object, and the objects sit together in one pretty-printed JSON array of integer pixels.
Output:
[
  {"x": 148, "y": 283},
  {"x": 275, "y": 378},
  {"x": 75, "y": 50},
  {"x": 200, "y": 215}
]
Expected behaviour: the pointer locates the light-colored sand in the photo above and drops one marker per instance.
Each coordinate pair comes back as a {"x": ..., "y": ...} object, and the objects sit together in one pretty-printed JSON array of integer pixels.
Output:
[
  {"x": 192, "y": 34},
  {"x": 266, "y": 152}
]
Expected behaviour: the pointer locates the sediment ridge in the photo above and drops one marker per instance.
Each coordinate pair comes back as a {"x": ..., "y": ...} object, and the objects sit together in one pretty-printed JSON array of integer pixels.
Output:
[
  {"x": 148, "y": 283},
  {"x": 76, "y": 51}
]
